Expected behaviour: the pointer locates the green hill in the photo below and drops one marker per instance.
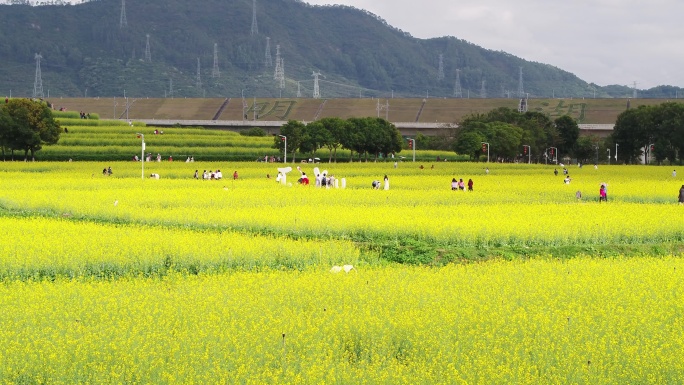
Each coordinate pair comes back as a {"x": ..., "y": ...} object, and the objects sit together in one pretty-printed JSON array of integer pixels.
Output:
[{"x": 86, "y": 52}]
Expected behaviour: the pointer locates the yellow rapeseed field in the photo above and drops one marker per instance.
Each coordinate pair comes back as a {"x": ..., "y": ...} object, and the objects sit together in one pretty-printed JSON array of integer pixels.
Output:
[
  {"x": 586, "y": 321},
  {"x": 114, "y": 279}
]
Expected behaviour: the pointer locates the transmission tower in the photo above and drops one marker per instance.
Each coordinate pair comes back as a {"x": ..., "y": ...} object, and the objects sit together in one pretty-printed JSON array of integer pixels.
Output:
[
  {"x": 122, "y": 20},
  {"x": 198, "y": 82},
  {"x": 521, "y": 90},
  {"x": 269, "y": 61},
  {"x": 279, "y": 74},
  {"x": 215, "y": 71},
  {"x": 282, "y": 73},
  {"x": 171, "y": 87},
  {"x": 458, "y": 93},
  {"x": 440, "y": 71},
  {"x": 299, "y": 90},
  {"x": 148, "y": 54},
  {"x": 255, "y": 27},
  {"x": 483, "y": 89},
  {"x": 634, "y": 91},
  {"x": 316, "y": 91},
  {"x": 38, "y": 82}
]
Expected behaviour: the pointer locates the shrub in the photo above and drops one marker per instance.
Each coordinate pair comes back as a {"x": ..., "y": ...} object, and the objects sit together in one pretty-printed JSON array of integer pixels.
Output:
[{"x": 254, "y": 131}]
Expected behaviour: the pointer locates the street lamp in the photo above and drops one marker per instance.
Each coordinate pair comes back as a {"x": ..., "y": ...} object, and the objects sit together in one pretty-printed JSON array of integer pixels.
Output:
[
  {"x": 616, "y": 146},
  {"x": 608, "y": 149},
  {"x": 412, "y": 146},
  {"x": 647, "y": 153},
  {"x": 483, "y": 148},
  {"x": 528, "y": 149},
  {"x": 284, "y": 139},
  {"x": 142, "y": 154}
]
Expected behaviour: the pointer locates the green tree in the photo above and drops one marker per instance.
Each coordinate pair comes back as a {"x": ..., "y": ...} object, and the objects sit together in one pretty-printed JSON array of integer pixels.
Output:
[
  {"x": 392, "y": 140},
  {"x": 294, "y": 131},
  {"x": 354, "y": 138},
  {"x": 336, "y": 127},
  {"x": 316, "y": 136},
  {"x": 469, "y": 143},
  {"x": 504, "y": 139},
  {"x": 587, "y": 148},
  {"x": 569, "y": 132},
  {"x": 633, "y": 130},
  {"x": 31, "y": 126},
  {"x": 6, "y": 132}
]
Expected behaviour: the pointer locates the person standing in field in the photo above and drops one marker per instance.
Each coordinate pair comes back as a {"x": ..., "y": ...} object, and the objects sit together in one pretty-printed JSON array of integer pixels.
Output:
[
  {"x": 386, "y": 183},
  {"x": 681, "y": 195},
  {"x": 196, "y": 176},
  {"x": 235, "y": 175},
  {"x": 470, "y": 185},
  {"x": 603, "y": 194},
  {"x": 454, "y": 184},
  {"x": 674, "y": 173}
]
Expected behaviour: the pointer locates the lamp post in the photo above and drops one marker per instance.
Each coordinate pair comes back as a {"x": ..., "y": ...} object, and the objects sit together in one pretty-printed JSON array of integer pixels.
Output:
[
  {"x": 597, "y": 148},
  {"x": 412, "y": 145},
  {"x": 529, "y": 153},
  {"x": 616, "y": 146},
  {"x": 142, "y": 154},
  {"x": 608, "y": 149},
  {"x": 483, "y": 146},
  {"x": 284, "y": 139}
]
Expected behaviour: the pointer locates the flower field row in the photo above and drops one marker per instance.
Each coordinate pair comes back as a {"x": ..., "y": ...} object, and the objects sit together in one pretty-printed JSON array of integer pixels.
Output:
[
  {"x": 584, "y": 321},
  {"x": 513, "y": 205},
  {"x": 86, "y": 249}
]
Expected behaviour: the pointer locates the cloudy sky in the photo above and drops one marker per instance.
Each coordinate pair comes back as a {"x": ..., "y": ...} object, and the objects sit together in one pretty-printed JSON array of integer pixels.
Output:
[{"x": 601, "y": 41}]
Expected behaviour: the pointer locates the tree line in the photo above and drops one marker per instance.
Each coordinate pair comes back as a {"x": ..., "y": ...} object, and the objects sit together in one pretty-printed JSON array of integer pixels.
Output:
[
  {"x": 26, "y": 125},
  {"x": 512, "y": 135},
  {"x": 657, "y": 129},
  {"x": 364, "y": 137}
]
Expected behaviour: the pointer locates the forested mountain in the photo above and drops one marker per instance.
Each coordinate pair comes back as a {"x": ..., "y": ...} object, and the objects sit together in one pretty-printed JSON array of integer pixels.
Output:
[{"x": 86, "y": 50}]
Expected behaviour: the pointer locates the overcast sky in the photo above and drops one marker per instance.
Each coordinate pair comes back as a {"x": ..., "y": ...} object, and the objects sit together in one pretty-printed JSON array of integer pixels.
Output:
[{"x": 601, "y": 41}]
